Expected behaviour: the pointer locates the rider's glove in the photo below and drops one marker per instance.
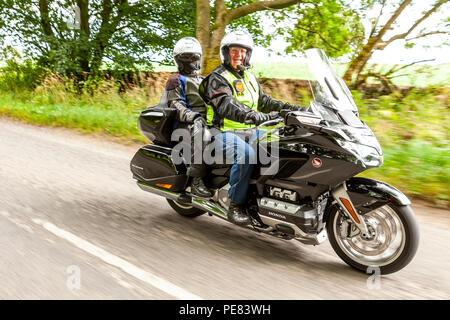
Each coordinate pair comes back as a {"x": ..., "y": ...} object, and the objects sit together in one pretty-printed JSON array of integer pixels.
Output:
[
  {"x": 200, "y": 121},
  {"x": 257, "y": 117},
  {"x": 198, "y": 125}
]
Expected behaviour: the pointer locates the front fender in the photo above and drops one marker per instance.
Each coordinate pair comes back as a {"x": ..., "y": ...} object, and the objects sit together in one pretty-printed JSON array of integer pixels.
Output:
[{"x": 369, "y": 194}]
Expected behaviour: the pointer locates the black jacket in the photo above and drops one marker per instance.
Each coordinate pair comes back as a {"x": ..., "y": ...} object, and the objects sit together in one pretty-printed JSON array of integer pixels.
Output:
[
  {"x": 219, "y": 93},
  {"x": 181, "y": 92}
]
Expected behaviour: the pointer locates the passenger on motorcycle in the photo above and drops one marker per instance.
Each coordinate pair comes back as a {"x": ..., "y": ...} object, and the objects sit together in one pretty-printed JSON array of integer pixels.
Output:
[
  {"x": 181, "y": 92},
  {"x": 236, "y": 97}
]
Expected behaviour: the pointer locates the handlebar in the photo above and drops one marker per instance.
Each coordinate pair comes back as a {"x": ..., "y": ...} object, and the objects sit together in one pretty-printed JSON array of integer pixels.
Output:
[
  {"x": 274, "y": 117},
  {"x": 302, "y": 117},
  {"x": 266, "y": 123}
]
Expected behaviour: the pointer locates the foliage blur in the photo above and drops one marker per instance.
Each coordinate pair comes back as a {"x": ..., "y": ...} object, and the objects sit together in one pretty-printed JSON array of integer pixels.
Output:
[
  {"x": 18, "y": 74},
  {"x": 414, "y": 131},
  {"x": 412, "y": 125},
  {"x": 77, "y": 38},
  {"x": 338, "y": 31},
  {"x": 102, "y": 109}
]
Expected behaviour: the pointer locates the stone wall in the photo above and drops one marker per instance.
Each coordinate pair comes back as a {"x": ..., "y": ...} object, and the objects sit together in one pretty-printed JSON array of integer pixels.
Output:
[{"x": 289, "y": 90}]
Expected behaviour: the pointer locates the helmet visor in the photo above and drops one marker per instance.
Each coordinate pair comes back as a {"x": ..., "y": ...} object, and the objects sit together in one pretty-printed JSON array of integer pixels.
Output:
[{"x": 189, "y": 57}]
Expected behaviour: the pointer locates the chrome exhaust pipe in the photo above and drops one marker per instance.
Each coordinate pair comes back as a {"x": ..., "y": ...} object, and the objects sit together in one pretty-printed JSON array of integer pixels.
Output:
[
  {"x": 199, "y": 203},
  {"x": 158, "y": 191}
]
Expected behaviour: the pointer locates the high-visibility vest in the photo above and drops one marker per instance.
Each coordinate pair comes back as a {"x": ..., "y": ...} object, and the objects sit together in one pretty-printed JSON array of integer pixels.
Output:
[{"x": 246, "y": 91}]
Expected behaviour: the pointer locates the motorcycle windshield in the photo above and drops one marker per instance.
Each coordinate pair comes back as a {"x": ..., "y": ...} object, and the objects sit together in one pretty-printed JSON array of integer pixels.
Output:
[
  {"x": 329, "y": 90},
  {"x": 334, "y": 102}
]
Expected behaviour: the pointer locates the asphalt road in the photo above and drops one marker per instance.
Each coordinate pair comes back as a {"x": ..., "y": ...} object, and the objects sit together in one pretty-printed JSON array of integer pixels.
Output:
[{"x": 74, "y": 225}]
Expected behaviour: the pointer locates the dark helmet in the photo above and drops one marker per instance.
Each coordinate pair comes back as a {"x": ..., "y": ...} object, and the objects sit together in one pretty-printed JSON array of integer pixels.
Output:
[
  {"x": 236, "y": 39},
  {"x": 187, "y": 54}
]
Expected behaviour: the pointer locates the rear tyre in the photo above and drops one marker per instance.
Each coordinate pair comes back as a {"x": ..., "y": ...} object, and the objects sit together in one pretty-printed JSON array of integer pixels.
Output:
[
  {"x": 394, "y": 241},
  {"x": 185, "y": 210}
]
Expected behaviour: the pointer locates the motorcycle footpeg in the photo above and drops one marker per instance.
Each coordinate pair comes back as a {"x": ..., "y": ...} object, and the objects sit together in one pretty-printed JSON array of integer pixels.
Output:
[{"x": 184, "y": 198}]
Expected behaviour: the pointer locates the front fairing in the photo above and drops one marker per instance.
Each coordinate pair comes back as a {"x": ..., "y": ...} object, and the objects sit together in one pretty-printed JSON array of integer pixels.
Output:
[
  {"x": 334, "y": 103},
  {"x": 358, "y": 141},
  {"x": 334, "y": 115}
]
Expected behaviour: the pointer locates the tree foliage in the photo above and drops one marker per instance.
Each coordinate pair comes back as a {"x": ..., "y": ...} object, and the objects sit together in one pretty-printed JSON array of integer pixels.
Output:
[
  {"x": 327, "y": 24},
  {"x": 18, "y": 74},
  {"x": 77, "y": 36}
]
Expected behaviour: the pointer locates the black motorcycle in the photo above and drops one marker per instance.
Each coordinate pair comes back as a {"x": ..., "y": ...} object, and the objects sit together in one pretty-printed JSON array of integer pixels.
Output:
[{"x": 310, "y": 191}]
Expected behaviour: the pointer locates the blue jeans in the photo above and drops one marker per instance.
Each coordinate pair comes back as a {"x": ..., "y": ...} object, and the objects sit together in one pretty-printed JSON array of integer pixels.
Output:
[{"x": 243, "y": 157}]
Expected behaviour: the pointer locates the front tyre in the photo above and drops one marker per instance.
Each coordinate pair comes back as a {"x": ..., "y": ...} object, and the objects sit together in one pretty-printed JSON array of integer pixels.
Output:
[
  {"x": 392, "y": 244},
  {"x": 185, "y": 210}
]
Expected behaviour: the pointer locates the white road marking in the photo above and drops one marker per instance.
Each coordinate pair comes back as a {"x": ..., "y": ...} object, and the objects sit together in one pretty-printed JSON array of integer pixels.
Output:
[
  {"x": 129, "y": 268},
  {"x": 4, "y": 213},
  {"x": 16, "y": 221}
]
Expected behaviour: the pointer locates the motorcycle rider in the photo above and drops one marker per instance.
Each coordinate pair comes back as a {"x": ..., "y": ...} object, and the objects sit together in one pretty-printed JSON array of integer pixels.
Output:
[
  {"x": 181, "y": 92},
  {"x": 236, "y": 96}
]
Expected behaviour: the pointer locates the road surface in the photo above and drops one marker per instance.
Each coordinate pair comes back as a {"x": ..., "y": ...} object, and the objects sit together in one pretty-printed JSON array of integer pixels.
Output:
[{"x": 74, "y": 225}]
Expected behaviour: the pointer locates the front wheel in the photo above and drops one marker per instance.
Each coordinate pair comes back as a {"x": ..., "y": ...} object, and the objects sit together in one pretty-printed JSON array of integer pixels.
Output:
[
  {"x": 185, "y": 210},
  {"x": 392, "y": 244}
]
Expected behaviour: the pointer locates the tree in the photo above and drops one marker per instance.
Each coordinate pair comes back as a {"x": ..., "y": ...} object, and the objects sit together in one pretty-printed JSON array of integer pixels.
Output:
[
  {"x": 211, "y": 23},
  {"x": 77, "y": 36},
  {"x": 327, "y": 24},
  {"x": 375, "y": 40}
]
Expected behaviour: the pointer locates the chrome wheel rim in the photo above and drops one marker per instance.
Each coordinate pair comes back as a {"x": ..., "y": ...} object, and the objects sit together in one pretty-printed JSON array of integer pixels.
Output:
[{"x": 386, "y": 244}]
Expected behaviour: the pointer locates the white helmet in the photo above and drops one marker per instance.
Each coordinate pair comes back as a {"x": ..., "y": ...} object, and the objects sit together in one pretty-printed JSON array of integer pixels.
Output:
[
  {"x": 187, "y": 54},
  {"x": 236, "y": 39}
]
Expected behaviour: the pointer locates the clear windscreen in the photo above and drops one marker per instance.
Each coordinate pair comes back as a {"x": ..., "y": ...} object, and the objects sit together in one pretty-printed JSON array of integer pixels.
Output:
[
  {"x": 332, "y": 98},
  {"x": 327, "y": 87}
]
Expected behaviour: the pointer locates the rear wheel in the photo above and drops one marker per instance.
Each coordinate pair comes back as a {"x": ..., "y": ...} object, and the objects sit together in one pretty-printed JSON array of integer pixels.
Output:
[
  {"x": 392, "y": 244},
  {"x": 184, "y": 209}
]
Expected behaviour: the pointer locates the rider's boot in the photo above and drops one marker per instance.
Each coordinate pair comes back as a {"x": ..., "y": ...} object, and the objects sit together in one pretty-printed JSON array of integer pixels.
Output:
[
  {"x": 237, "y": 215},
  {"x": 199, "y": 189}
]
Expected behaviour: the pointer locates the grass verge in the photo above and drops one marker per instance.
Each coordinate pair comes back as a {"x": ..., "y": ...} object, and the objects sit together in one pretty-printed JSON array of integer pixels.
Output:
[{"x": 417, "y": 168}]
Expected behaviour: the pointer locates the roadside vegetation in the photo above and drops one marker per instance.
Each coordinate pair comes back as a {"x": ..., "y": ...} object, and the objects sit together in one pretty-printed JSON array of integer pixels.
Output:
[
  {"x": 413, "y": 127},
  {"x": 420, "y": 75},
  {"x": 103, "y": 110},
  {"x": 414, "y": 132}
]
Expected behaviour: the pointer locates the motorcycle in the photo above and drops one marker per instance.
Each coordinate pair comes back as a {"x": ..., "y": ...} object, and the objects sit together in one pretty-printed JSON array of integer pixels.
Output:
[{"x": 311, "y": 192}]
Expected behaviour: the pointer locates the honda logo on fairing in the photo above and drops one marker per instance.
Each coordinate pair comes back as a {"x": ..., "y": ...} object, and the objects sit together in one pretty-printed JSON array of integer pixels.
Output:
[{"x": 316, "y": 162}]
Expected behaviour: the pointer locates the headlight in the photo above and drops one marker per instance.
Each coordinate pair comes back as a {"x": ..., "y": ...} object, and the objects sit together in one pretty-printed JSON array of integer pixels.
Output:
[{"x": 369, "y": 156}]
